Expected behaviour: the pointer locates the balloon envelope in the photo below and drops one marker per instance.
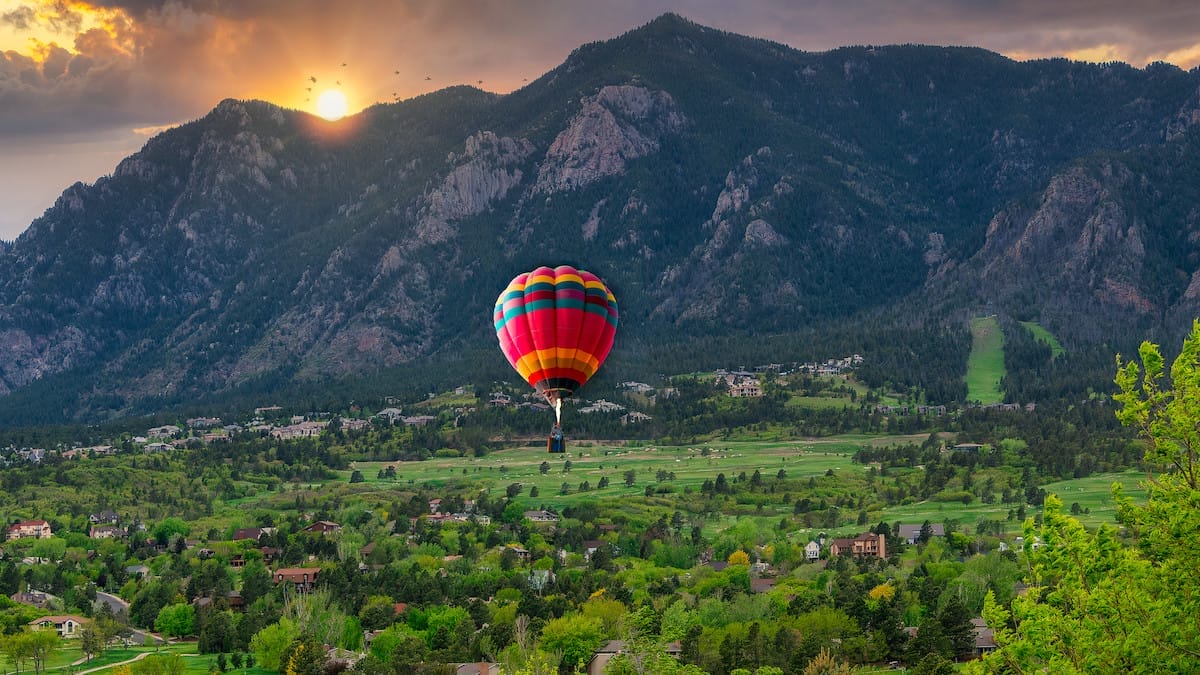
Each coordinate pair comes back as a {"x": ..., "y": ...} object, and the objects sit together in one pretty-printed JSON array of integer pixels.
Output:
[{"x": 556, "y": 326}]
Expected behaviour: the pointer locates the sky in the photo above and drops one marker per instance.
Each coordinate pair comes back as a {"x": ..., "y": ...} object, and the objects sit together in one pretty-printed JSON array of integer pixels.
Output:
[{"x": 85, "y": 83}]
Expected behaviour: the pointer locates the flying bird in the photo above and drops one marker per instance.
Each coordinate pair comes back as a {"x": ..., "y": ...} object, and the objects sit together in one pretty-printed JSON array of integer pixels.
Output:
[
  {"x": 478, "y": 81},
  {"x": 397, "y": 72},
  {"x": 314, "y": 79},
  {"x": 338, "y": 82},
  {"x": 428, "y": 77},
  {"x": 343, "y": 65}
]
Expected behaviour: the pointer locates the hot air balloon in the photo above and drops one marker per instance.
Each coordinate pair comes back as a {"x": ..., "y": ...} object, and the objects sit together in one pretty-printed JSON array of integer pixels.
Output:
[{"x": 556, "y": 326}]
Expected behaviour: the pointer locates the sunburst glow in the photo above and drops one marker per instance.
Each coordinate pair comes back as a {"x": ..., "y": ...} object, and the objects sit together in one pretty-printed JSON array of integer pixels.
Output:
[{"x": 331, "y": 105}]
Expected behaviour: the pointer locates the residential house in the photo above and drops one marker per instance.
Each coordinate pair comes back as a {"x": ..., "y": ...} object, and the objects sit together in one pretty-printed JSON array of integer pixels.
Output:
[
  {"x": 157, "y": 447},
  {"x": 323, "y": 527},
  {"x": 746, "y": 389},
  {"x": 392, "y": 415},
  {"x": 863, "y": 546},
  {"x": 299, "y": 430},
  {"x": 67, "y": 625},
  {"x": 635, "y": 417},
  {"x": 761, "y": 584},
  {"x": 985, "y": 638},
  {"x": 611, "y": 648},
  {"x": 105, "y": 517},
  {"x": 418, "y": 420},
  {"x": 601, "y": 406},
  {"x": 165, "y": 431},
  {"x": 911, "y": 533},
  {"x": 204, "y": 422},
  {"x": 812, "y": 551},
  {"x": 106, "y": 532},
  {"x": 541, "y": 517},
  {"x": 36, "y": 598},
  {"x": 37, "y": 529},
  {"x": 137, "y": 571},
  {"x": 251, "y": 533},
  {"x": 304, "y": 578},
  {"x": 968, "y": 447},
  {"x": 353, "y": 425}
]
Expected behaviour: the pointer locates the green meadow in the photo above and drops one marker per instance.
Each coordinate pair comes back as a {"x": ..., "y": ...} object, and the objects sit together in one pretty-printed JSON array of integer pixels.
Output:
[
  {"x": 985, "y": 365},
  {"x": 1041, "y": 334}
]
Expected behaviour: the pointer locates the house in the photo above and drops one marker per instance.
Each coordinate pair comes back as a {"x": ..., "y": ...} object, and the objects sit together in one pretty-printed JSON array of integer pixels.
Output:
[
  {"x": 392, "y": 415},
  {"x": 251, "y": 533},
  {"x": 968, "y": 447},
  {"x": 812, "y": 551},
  {"x": 418, "y": 420},
  {"x": 323, "y": 527},
  {"x": 746, "y": 389},
  {"x": 611, "y": 648},
  {"x": 985, "y": 638},
  {"x": 635, "y": 417},
  {"x": 761, "y": 584},
  {"x": 157, "y": 447},
  {"x": 105, "y": 517},
  {"x": 165, "y": 431},
  {"x": 204, "y": 422},
  {"x": 911, "y": 533},
  {"x": 435, "y": 504},
  {"x": 36, "y": 598},
  {"x": 137, "y": 571},
  {"x": 541, "y": 517},
  {"x": 106, "y": 532},
  {"x": 353, "y": 425},
  {"x": 67, "y": 625},
  {"x": 862, "y": 546},
  {"x": 299, "y": 430},
  {"x": 304, "y": 578},
  {"x": 38, "y": 529}
]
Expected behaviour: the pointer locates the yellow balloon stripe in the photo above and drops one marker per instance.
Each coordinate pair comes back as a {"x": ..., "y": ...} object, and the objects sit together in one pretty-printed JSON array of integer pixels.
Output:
[{"x": 545, "y": 359}]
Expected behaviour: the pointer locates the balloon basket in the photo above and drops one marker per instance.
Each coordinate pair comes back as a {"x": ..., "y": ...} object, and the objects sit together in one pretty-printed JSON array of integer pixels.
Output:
[{"x": 555, "y": 443}]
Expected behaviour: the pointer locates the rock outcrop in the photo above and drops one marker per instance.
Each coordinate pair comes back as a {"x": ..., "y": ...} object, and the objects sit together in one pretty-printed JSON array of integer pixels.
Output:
[{"x": 617, "y": 125}]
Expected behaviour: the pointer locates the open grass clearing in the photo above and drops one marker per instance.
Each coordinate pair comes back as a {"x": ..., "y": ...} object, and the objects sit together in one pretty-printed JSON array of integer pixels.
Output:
[
  {"x": 1040, "y": 333},
  {"x": 985, "y": 365}
]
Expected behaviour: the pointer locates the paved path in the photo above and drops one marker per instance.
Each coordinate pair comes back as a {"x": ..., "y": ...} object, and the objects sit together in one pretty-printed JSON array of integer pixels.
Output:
[{"x": 139, "y": 657}]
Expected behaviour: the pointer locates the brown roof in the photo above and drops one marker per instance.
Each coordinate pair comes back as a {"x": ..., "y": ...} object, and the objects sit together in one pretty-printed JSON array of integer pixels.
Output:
[{"x": 297, "y": 575}]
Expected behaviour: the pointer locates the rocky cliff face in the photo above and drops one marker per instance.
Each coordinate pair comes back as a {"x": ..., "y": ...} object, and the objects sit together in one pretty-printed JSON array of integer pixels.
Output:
[{"x": 718, "y": 183}]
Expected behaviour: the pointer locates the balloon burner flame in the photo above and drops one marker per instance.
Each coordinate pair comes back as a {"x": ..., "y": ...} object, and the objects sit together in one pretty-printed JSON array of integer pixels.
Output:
[{"x": 557, "y": 411}]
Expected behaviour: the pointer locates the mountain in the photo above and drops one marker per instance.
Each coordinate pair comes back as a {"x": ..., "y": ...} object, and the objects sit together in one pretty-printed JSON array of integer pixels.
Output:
[{"x": 722, "y": 185}]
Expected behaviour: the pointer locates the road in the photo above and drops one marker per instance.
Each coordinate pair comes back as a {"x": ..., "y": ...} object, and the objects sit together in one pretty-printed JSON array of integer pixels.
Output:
[{"x": 120, "y": 607}]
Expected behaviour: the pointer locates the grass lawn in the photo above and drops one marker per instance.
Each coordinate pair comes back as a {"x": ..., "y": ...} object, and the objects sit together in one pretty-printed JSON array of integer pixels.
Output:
[
  {"x": 1040, "y": 333},
  {"x": 1094, "y": 493},
  {"x": 985, "y": 365}
]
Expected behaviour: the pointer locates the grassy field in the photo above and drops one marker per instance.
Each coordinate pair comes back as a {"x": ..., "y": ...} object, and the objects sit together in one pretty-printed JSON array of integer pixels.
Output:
[
  {"x": 985, "y": 365},
  {"x": 1040, "y": 333},
  {"x": 1094, "y": 493}
]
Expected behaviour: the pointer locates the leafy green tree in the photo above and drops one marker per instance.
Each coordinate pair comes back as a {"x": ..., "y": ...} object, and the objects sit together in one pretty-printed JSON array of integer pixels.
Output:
[
  {"x": 168, "y": 528},
  {"x": 17, "y": 648},
  {"x": 177, "y": 620},
  {"x": 217, "y": 633},
  {"x": 1094, "y": 605},
  {"x": 256, "y": 581},
  {"x": 91, "y": 639},
  {"x": 40, "y": 644},
  {"x": 269, "y": 643},
  {"x": 575, "y": 636}
]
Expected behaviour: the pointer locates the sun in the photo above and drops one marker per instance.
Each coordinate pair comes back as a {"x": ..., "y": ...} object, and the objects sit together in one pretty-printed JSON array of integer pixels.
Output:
[{"x": 331, "y": 105}]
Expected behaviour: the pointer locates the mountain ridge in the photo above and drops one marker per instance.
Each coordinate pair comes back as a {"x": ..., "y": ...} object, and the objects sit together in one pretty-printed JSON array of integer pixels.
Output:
[{"x": 720, "y": 183}]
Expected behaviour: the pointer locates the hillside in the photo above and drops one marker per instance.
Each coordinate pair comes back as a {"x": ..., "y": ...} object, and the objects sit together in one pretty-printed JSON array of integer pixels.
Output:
[{"x": 722, "y": 185}]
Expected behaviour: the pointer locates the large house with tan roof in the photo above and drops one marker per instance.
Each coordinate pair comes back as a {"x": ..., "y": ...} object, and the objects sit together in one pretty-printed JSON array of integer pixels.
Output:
[{"x": 38, "y": 529}]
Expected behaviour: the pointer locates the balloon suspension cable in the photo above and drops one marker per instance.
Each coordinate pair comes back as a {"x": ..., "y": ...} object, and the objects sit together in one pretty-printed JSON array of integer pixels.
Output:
[{"x": 557, "y": 411}]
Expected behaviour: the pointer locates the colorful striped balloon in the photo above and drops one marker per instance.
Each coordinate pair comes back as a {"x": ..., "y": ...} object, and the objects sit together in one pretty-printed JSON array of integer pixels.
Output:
[{"x": 556, "y": 327}]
